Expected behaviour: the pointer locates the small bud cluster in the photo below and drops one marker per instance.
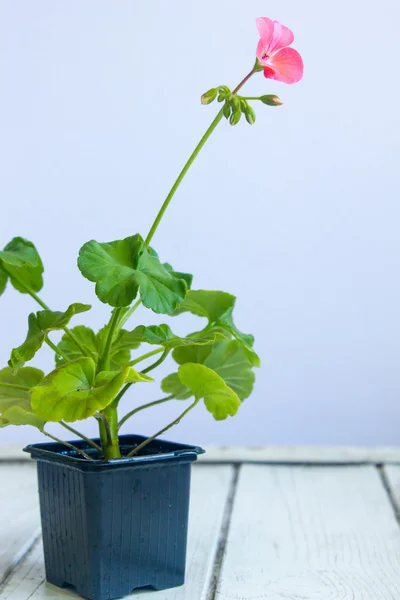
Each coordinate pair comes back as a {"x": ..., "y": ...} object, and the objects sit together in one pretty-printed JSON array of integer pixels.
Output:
[{"x": 235, "y": 106}]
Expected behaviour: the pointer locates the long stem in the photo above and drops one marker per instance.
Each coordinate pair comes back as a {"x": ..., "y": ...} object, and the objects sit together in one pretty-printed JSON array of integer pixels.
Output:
[
  {"x": 157, "y": 363},
  {"x": 70, "y": 446},
  {"x": 142, "y": 407},
  {"x": 144, "y": 356},
  {"x": 83, "y": 437},
  {"x": 146, "y": 370},
  {"x": 182, "y": 175},
  {"x": 104, "y": 362},
  {"x": 56, "y": 350},
  {"x": 128, "y": 314},
  {"x": 189, "y": 163},
  {"x": 153, "y": 437}
]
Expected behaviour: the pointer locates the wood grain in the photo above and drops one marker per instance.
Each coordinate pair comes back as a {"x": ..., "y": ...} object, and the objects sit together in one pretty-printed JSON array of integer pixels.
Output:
[
  {"x": 211, "y": 488},
  {"x": 19, "y": 513},
  {"x": 311, "y": 533}
]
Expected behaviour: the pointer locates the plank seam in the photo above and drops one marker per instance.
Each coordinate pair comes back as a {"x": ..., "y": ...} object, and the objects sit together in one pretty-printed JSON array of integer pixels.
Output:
[
  {"x": 22, "y": 555},
  {"x": 390, "y": 493},
  {"x": 223, "y": 536}
]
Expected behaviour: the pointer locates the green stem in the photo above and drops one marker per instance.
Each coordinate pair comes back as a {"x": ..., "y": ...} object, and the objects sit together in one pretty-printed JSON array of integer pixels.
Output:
[
  {"x": 157, "y": 363},
  {"x": 182, "y": 175},
  {"x": 83, "y": 437},
  {"x": 111, "y": 449},
  {"x": 139, "y": 408},
  {"x": 128, "y": 314},
  {"x": 144, "y": 356},
  {"x": 153, "y": 437},
  {"x": 189, "y": 163},
  {"x": 104, "y": 362},
  {"x": 14, "y": 386},
  {"x": 146, "y": 370},
  {"x": 56, "y": 350},
  {"x": 70, "y": 446},
  {"x": 45, "y": 307}
]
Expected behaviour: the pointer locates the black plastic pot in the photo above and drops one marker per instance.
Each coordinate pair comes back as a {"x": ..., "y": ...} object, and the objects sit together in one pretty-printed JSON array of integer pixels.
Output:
[{"x": 110, "y": 527}]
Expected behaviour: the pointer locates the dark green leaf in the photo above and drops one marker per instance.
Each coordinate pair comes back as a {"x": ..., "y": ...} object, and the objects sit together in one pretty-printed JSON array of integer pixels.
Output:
[
  {"x": 122, "y": 268},
  {"x": 211, "y": 304},
  {"x": 23, "y": 264},
  {"x": 15, "y": 402},
  {"x": 72, "y": 392},
  {"x": 187, "y": 277},
  {"x": 3, "y": 279},
  {"x": 39, "y": 325},
  {"x": 220, "y": 400},
  {"x": 159, "y": 289}
]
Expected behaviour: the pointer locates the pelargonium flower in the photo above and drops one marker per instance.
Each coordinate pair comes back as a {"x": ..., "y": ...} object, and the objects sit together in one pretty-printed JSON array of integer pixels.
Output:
[{"x": 280, "y": 62}]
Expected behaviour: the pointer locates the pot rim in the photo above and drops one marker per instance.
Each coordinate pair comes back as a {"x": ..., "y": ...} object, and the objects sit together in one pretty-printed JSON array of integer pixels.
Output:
[{"x": 167, "y": 452}]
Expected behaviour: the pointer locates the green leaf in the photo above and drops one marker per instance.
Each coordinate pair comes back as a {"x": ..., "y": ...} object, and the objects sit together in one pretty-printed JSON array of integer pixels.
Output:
[
  {"x": 161, "y": 335},
  {"x": 210, "y": 304},
  {"x": 159, "y": 289},
  {"x": 94, "y": 346},
  {"x": 228, "y": 358},
  {"x": 120, "y": 353},
  {"x": 21, "y": 261},
  {"x": 187, "y": 277},
  {"x": 220, "y": 400},
  {"x": 123, "y": 267},
  {"x": 3, "y": 279},
  {"x": 86, "y": 338},
  {"x": 72, "y": 393},
  {"x": 217, "y": 307},
  {"x": 173, "y": 386},
  {"x": 39, "y": 325},
  {"x": 15, "y": 402},
  {"x": 131, "y": 376}
]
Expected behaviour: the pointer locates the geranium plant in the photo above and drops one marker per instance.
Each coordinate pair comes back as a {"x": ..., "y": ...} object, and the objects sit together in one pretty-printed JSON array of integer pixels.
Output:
[{"x": 94, "y": 370}]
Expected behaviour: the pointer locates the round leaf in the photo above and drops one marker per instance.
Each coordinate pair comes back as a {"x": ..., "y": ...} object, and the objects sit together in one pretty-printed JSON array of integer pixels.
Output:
[
  {"x": 39, "y": 325},
  {"x": 21, "y": 261},
  {"x": 123, "y": 267},
  {"x": 203, "y": 382},
  {"x": 15, "y": 401}
]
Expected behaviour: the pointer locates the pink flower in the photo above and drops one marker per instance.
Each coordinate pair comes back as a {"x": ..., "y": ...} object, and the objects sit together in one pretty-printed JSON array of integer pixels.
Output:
[{"x": 279, "y": 62}]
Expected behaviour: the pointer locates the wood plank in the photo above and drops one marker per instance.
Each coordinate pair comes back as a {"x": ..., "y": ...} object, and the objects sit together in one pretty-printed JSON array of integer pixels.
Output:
[
  {"x": 392, "y": 476},
  {"x": 301, "y": 454},
  {"x": 19, "y": 513},
  {"x": 211, "y": 491},
  {"x": 267, "y": 454},
  {"x": 311, "y": 532}
]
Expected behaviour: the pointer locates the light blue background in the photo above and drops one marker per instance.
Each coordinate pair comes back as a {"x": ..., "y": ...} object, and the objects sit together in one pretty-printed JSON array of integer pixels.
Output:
[{"x": 298, "y": 215}]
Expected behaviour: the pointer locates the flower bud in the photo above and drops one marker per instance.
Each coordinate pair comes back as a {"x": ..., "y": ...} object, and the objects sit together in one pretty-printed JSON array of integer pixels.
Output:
[
  {"x": 209, "y": 96},
  {"x": 250, "y": 115},
  {"x": 226, "y": 110},
  {"x": 271, "y": 100},
  {"x": 221, "y": 96},
  {"x": 235, "y": 117}
]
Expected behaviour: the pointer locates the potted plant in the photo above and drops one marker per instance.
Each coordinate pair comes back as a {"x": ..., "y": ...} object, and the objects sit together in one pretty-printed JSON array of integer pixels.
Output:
[{"x": 114, "y": 509}]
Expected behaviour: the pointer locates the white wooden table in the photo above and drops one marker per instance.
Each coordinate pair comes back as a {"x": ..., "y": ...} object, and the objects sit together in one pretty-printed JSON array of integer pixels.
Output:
[{"x": 266, "y": 523}]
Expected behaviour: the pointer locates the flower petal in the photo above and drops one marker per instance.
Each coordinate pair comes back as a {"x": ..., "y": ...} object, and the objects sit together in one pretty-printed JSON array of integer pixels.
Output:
[
  {"x": 286, "y": 66},
  {"x": 283, "y": 36},
  {"x": 266, "y": 29}
]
